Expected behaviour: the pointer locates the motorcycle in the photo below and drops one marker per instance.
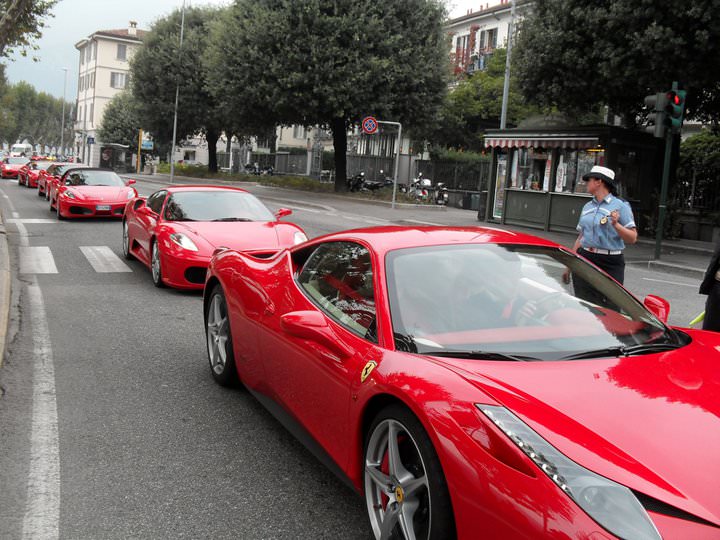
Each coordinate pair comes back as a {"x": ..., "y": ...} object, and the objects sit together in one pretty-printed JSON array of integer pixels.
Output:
[
  {"x": 384, "y": 181},
  {"x": 441, "y": 195},
  {"x": 357, "y": 182}
]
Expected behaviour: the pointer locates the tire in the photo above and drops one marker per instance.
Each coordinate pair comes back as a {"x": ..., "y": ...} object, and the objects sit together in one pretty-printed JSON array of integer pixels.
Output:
[
  {"x": 421, "y": 508},
  {"x": 126, "y": 242},
  {"x": 219, "y": 340},
  {"x": 57, "y": 210},
  {"x": 155, "y": 265}
]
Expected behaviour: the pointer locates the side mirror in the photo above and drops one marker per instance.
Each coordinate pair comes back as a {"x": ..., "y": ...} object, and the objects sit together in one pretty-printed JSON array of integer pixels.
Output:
[
  {"x": 282, "y": 212},
  {"x": 130, "y": 182},
  {"x": 658, "y": 306},
  {"x": 313, "y": 326}
]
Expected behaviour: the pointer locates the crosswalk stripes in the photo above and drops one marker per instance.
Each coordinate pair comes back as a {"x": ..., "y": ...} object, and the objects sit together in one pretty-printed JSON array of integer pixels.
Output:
[{"x": 40, "y": 260}]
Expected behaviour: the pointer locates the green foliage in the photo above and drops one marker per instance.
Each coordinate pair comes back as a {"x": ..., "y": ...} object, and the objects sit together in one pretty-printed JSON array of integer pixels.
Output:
[
  {"x": 329, "y": 62},
  {"x": 121, "y": 121},
  {"x": 476, "y": 105},
  {"x": 576, "y": 54},
  {"x": 162, "y": 67},
  {"x": 444, "y": 154},
  {"x": 27, "y": 114},
  {"x": 21, "y": 22}
]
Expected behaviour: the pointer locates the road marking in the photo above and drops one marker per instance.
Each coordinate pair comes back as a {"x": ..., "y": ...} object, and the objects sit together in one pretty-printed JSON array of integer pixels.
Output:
[
  {"x": 42, "y": 503},
  {"x": 16, "y": 214},
  {"x": 103, "y": 259},
  {"x": 693, "y": 285},
  {"x": 32, "y": 220},
  {"x": 37, "y": 260}
]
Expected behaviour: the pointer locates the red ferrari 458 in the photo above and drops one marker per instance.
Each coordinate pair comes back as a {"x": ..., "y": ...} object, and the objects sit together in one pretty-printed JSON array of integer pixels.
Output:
[
  {"x": 176, "y": 230},
  {"x": 466, "y": 390},
  {"x": 87, "y": 192}
]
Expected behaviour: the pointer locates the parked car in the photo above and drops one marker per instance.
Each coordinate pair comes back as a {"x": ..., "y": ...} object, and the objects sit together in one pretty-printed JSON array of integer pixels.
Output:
[
  {"x": 464, "y": 389},
  {"x": 88, "y": 192},
  {"x": 176, "y": 230},
  {"x": 10, "y": 166}
]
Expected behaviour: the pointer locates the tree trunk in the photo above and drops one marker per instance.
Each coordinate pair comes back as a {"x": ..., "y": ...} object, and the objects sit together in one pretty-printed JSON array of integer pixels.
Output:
[
  {"x": 339, "y": 131},
  {"x": 212, "y": 136}
]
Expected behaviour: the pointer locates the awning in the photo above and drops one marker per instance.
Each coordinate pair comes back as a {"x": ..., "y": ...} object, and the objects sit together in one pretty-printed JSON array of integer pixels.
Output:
[{"x": 542, "y": 142}]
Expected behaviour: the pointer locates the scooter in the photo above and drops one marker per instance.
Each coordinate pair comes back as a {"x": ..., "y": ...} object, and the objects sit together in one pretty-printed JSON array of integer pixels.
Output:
[
  {"x": 441, "y": 194},
  {"x": 357, "y": 182},
  {"x": 419, "y": 188},
  {"x": 384, "y": 181}
]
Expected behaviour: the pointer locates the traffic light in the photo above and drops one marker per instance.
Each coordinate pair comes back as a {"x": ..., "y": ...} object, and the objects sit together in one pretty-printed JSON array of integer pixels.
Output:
[
  {"x": 675, "y": 109},
  {"x": 658, "y": 118}
]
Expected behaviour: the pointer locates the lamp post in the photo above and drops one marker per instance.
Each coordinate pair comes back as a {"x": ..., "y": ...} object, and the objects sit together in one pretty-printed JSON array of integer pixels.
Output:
[
  {"x": 177, "y": 96},
  {"x": 62, "y": 120}
]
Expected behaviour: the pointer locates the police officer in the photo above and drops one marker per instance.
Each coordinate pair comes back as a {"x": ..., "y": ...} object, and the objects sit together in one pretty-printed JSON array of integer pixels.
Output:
[{"x": 606, "y": 224}]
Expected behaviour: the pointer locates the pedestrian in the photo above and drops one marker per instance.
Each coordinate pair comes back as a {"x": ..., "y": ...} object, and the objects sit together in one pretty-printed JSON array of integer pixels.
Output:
[
  {"x": 711, "y": 287},
  {"x": 606, "y": 224}
]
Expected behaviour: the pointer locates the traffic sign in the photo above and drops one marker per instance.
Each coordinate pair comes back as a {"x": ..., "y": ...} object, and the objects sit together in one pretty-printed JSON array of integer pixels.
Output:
[
  {"x": 91, "y": 140},
  {"x": 369, "y": 125},
  {"x": 147, "y": 145}
]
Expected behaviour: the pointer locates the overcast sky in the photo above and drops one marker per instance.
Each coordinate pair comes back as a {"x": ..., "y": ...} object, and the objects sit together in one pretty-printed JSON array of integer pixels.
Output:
[{"x": 75, "y": 20}]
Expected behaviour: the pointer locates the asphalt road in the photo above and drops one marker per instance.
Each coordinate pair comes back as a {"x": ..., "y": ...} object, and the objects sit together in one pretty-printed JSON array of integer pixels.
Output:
[{"x": 111, "y": 424}]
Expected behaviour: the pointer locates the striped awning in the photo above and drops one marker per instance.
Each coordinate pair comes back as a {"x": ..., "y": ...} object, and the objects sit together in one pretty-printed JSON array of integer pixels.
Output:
[{"x": 541, "y": 142}]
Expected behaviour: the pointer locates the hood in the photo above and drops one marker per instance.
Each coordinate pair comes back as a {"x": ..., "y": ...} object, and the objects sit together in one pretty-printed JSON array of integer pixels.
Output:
[
  {"x": 650, "y": 422},
  {"x": 238, "y": 235},
  {"x": 108, "y": 194}
]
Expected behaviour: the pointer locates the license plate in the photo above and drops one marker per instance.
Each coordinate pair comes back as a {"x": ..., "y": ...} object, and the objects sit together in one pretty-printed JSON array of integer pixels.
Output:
[{"x": 102, "y": 207}]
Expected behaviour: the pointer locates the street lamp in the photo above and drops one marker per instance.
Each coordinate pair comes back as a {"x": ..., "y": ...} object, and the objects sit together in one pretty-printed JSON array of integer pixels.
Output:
[
  {"x": 62, "y": 121},
  {"x": 177, "y": 96}
]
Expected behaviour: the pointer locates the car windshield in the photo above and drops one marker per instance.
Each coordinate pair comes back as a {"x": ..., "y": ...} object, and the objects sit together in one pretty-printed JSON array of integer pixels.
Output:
[
  {"x": 216, "y": 206},
  {"x": 93, "y": 178},
  {"x": 41, "y": 165},
  {"x": 17, "y": 160},
  {"x": 506, "y": 301}
]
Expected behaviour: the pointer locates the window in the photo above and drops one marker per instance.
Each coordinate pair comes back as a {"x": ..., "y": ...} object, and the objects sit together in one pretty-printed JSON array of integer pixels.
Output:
[
  {"x": 94, "y": 50},
  {"x": 92, "y": 80},
  {"x": 488, "y": 38},
  {"x": 82, "y": 56},
  {"x": 82, "y": 83},
  {"x": 338, "y": 277},
  {"x": 92, "y": 112},
  {"x": 156, "y": 200},
  {"x": 118, "y": 80},
  {"x": 299, "y": 132},
  {"x": 121, "y": 51}
]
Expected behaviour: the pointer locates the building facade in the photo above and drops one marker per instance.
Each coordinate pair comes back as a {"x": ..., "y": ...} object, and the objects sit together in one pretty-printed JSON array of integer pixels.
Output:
[{"x": 104, "y": 68}]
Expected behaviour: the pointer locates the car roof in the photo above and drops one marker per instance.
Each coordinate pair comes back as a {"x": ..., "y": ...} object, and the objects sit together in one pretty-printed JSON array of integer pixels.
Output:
[
  {"x": 200, "y": 187},
  {"x": 388, "y": 238}
]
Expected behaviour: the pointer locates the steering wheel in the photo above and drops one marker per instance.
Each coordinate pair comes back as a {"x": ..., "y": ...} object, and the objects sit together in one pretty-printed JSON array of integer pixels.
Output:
[{"x": 539, "y": 309}]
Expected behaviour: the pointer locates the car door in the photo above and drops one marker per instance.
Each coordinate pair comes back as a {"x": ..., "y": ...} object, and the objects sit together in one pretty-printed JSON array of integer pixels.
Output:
[
  {"x": 313, "y": 377},
  {"x": 147, "y": 217}
]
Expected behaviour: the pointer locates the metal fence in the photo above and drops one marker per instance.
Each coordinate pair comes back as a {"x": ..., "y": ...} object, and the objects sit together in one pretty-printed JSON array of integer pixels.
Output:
[{"x": 460, "y": 176}]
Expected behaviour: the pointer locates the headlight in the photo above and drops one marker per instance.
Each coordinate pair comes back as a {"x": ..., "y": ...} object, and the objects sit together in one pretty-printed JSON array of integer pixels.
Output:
[
  {"x": 69, "y": 194},
  {"x": 612, "y": 505},
  {"x": 183, "y": 241},
  {"x": 299, "y": 238}
]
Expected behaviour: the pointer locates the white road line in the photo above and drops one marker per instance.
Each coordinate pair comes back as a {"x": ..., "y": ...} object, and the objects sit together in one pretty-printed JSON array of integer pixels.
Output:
[
  {"x": 42, "y": 503},
  {"x": 32, "y": 220},
  {"x": 37, "y": 260},
  {"x": 16, "y": 214},
  {"x": 693, "y": 285},
  {"x": 103, "y": 259}
]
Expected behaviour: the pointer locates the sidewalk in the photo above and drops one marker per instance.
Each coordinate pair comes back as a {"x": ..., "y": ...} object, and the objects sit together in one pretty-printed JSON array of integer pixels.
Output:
[{"x": 681, "y": 257}]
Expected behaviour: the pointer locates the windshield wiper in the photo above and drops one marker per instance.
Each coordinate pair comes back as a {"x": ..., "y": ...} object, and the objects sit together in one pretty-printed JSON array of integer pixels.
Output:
[
  {"x": 232, "y": 219},
  {"x": 481, "y": 355},
  {"x": 623, "y": 350}
]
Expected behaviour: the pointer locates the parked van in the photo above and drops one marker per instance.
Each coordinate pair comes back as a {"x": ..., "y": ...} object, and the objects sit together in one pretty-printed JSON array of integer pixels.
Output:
[{"x": 21, "y": 149}]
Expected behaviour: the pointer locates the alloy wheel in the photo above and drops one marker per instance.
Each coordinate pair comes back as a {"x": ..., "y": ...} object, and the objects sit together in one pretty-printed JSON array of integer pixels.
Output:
[
  {"x": 155, "y": 265},
  {"x": 217, "y": 334}
]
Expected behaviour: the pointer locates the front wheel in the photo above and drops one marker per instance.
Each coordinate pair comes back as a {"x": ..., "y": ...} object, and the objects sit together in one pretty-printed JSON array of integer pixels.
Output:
[
  {"x": 155, "y": 265},
  {"x": 405, "y": 489},
  {"x": 126, "y": 242},
  {"x": 219, "y": 340}
]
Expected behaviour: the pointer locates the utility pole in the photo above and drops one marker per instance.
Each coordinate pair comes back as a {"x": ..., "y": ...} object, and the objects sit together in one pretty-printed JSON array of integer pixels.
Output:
[
  {"x": 62, "y": 121},
  {"x": 506, "y": 84},
  {"x": 177, "y": 97}
]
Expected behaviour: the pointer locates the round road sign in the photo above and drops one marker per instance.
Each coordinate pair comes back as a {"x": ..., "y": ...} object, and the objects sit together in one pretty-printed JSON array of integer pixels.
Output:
[{"x": 369, "y": 125}]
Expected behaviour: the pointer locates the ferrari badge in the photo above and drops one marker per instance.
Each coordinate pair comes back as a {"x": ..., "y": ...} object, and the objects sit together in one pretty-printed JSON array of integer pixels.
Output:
[{"x": 367, "y": 370}]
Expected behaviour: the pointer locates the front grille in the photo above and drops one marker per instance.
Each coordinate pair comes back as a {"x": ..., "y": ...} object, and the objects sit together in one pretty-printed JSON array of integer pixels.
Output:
[
  {"x": 80, "y": 211},
  {"x": 119, "y": 211},
  {"x": 196, "y": 274}
]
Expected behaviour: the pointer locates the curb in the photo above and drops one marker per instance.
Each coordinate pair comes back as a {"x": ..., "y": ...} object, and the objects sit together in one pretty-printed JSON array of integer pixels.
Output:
[
  {"x": 670, "y": 268},
  {"x": 5, "y": 280}
]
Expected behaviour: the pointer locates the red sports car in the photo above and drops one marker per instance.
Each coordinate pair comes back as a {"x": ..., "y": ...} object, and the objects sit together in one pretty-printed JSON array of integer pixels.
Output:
[
  {"x": 466, "y": 390},
  {"x": 175, "y": 231},
  {"x": 29, "y": 173},
  {"x": 88, "y": 192},
  {"x": 10, "y": 166},
  {"x": 51, "y": 176}
]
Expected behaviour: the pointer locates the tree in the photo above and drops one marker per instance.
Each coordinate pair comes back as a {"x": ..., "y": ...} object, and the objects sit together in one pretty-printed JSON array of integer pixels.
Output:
[
  {"x": 121, "y": 121},
  {"x": 20, "y": 23},
  {"x": 476, "y": 105},
  {"x": 577, "y": 54},
  {"x": 329, "y": 63},
  {"x": 162, "y": 66}
]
